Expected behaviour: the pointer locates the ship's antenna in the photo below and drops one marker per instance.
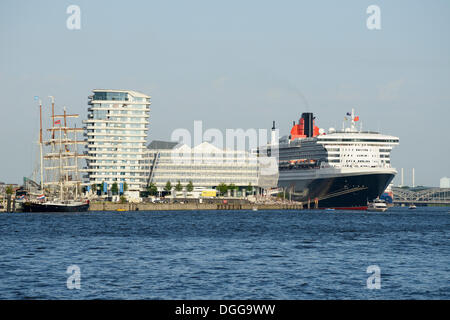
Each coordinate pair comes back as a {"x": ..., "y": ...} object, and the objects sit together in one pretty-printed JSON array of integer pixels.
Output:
[
  {"x": 353, "y": 120},
  {"x": 273, "y": 140}
]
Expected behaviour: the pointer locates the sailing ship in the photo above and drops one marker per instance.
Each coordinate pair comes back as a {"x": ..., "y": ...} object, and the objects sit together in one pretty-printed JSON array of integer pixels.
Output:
[{"x": 59, "y": 158}]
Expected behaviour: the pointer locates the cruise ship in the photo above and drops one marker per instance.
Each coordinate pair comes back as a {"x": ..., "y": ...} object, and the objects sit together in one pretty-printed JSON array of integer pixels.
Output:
[{"x": 340, "y": 169}]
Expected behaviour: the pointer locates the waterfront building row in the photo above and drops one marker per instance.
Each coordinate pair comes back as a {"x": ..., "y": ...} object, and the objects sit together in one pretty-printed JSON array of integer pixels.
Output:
[{"x": 116, "y": 131}]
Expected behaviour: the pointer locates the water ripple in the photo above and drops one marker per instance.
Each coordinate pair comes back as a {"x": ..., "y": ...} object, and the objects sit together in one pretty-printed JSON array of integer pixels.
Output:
[{"x": 226, "y": 254}]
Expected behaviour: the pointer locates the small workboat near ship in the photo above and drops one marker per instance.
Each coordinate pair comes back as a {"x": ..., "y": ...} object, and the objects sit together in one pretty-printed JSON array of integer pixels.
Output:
[
  {"x": 377, "y": 206},
  {"x": 60, "y": 191}
]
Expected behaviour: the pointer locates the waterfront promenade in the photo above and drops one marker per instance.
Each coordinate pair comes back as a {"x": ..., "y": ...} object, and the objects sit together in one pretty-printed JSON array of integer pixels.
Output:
[{"x": 114, "y": 206}]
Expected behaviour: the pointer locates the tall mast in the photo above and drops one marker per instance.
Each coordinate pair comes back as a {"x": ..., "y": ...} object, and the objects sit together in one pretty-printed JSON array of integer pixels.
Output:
[
  {"x": 68, "y": 168},
  {"x": 40, "y": 144},
  {"x": 76, "y": 164},
  {"x": 66, "y": 160},
  {"x": 52, "y": 175},
  {"x": 53, "y": 115},
  {"x": 61, "y": 173},
  {"x": 65, "y": 129}
]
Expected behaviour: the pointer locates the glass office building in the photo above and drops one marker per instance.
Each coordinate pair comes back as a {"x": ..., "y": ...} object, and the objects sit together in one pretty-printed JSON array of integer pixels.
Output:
[
  {"x": 116, "y": 130},
  {"x": 205, "y": 165}
]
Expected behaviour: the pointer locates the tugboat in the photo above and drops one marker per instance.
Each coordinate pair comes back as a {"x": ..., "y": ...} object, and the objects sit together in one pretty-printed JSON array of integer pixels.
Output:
[{"x": 62, "y": 190}]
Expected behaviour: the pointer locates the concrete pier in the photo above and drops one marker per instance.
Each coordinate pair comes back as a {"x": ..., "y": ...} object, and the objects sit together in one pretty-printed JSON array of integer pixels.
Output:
[{"x": 112, "y": 206}]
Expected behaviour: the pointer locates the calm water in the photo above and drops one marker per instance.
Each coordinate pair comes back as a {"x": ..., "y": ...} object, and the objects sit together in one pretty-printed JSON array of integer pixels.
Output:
[{"x": 227, "y": 255}]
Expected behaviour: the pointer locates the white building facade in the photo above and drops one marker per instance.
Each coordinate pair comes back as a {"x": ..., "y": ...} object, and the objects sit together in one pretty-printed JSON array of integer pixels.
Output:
[
  {"x": 116, "y": 130},
  {"x": 205, "y": 165}
]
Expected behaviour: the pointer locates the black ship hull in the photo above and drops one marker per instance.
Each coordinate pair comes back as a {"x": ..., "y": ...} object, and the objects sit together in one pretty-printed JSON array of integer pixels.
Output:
[
  {"x": 43, "y": 207},
  {"x": 351, "y": 192}
]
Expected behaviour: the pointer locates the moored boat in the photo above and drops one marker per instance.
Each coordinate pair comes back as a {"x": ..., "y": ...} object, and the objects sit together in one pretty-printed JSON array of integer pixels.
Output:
[
  {"x": 69, "y": 206},
  {"x": 60, "y": 191}
]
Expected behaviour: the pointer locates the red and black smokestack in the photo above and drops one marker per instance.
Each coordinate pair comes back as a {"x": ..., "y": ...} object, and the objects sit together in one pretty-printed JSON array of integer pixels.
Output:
[{"x": 308, "y": 121}]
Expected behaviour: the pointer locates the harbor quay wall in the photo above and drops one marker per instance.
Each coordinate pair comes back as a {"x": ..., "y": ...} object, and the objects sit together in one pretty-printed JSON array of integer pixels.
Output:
[{"x": 113, "y": 206}]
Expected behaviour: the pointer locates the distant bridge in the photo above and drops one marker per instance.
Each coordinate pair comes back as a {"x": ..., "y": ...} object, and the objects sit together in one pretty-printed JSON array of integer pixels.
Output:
[{"x": 430, "y": 196}]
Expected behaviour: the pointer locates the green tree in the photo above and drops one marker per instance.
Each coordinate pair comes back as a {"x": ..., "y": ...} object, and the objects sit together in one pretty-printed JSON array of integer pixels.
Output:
[
  {"x": 152, "y": 189},
  {"x": 125, "y": 187},
  {"x": 190, "y": 187},
  {"x": 232, "y": 187},
  {"x": 168, "y": 187},
  {"x": 222, "y": 188},
  {"x": 250, "y": 187},
  {"x": 9, "y": 190},
  {"x": 178, "y": 186},
  {"x": 281, "y": 195},
  {"x": 115, "y": 188},
  {"x": 123, "y": 199}
]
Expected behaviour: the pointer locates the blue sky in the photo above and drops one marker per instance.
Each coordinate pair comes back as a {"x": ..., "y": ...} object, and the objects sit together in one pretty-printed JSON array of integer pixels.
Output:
[{"x": 234, "y": 64}]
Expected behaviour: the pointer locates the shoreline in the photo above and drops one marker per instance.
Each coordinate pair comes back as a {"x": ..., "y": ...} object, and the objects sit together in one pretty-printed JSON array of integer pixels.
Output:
[{"x": 108, "y": 206}]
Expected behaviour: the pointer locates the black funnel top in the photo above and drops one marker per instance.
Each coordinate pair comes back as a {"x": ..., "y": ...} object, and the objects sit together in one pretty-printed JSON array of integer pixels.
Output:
[{"x": 308, "y": 123}]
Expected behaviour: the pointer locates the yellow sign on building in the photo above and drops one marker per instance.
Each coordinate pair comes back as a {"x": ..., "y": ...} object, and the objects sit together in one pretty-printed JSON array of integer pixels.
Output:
[{"x": 209, "y": 193}]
